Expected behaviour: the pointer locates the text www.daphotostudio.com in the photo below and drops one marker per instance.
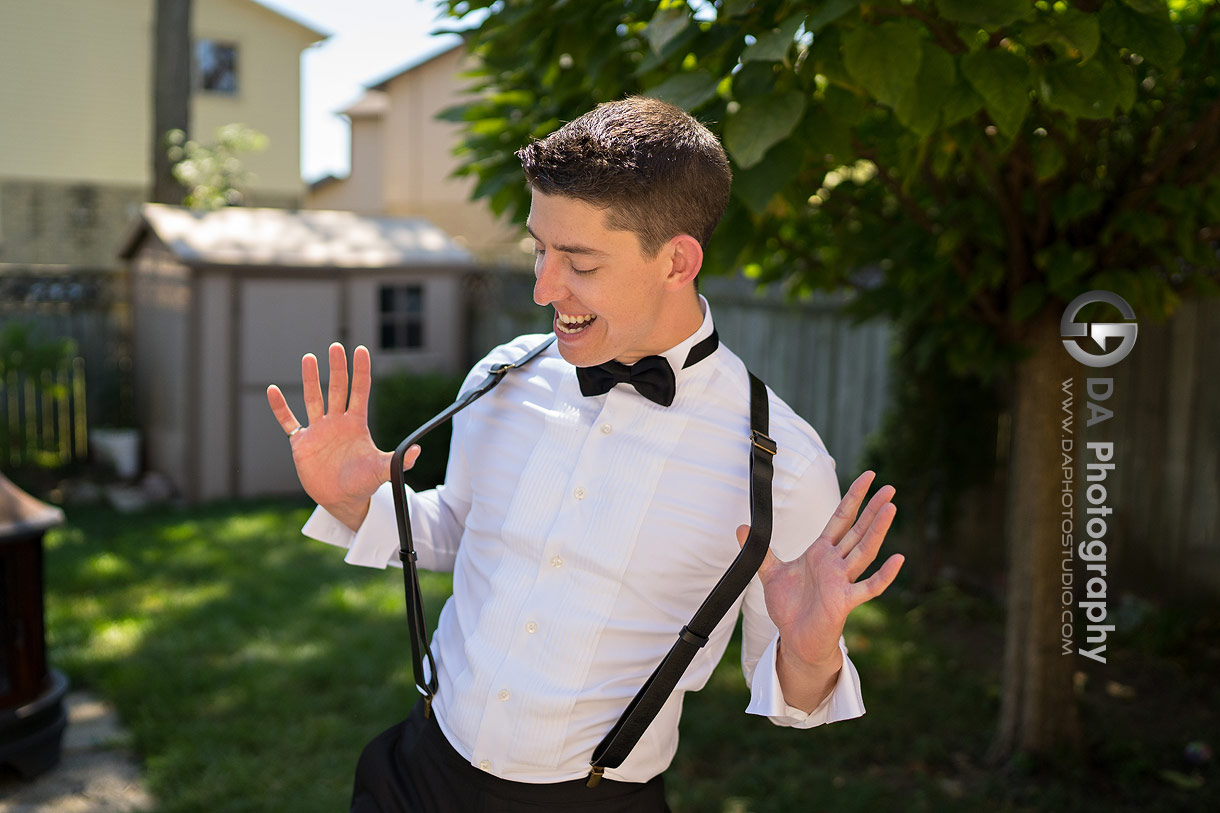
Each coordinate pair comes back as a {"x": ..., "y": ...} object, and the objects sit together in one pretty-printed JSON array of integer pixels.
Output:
[{"x": 1099, "y": 461}]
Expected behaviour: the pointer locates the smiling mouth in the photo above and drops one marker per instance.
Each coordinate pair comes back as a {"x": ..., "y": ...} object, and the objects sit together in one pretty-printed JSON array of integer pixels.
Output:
[{"x": 572, "y": 324}]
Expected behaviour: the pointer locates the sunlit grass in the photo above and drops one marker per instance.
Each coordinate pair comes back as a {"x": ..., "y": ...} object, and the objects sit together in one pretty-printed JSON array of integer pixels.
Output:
[{"x": 252, "y": 665}]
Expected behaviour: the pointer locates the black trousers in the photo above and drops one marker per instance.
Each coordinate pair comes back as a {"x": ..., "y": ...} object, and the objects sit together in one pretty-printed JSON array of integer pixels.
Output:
[{"x": 412, "y": 768}]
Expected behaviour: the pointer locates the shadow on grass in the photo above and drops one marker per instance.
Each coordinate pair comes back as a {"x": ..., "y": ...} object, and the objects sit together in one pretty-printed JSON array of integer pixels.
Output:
[{"x": 252, "y": 664}]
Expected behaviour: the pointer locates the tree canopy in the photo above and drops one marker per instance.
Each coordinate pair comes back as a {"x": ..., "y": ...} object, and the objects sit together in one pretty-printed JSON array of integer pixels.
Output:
[{"x": 961, "y": 164}]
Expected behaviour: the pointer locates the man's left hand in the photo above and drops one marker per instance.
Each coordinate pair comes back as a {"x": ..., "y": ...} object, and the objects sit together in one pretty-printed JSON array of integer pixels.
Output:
[{"x": 810, "y": 597}]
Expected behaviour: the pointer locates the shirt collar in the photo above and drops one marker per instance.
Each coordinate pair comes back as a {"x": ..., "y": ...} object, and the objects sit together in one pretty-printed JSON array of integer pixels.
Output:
[{"x": 676, "y": 355}]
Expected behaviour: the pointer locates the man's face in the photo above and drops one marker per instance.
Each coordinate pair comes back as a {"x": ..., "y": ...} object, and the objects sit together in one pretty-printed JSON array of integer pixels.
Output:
[{"x": 609, "y": 298}]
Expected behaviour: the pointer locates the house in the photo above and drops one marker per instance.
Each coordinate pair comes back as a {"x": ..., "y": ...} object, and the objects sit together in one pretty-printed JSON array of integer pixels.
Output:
[
  {"x": 226, "y": 302},
  {"x": 402, "y": 161},
  {"x": 76, "y": 91}
]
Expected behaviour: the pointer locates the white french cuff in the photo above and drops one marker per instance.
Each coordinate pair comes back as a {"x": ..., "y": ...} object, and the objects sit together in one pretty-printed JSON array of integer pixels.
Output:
[
  {"x": 371, "y": 545},
  {"x": 767, "y": 697}
]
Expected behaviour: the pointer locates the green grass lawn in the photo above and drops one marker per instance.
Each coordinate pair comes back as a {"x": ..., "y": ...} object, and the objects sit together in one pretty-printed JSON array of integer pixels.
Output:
[{"x": 252, "y": 664}]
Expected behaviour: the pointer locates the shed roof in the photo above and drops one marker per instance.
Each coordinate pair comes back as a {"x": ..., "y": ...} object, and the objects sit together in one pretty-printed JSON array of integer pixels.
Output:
[{"x": 280, "y": 238}]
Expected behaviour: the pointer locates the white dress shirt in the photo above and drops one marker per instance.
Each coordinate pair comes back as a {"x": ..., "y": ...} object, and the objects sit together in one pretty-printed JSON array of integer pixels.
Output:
[{"x": 583, "y": 533}]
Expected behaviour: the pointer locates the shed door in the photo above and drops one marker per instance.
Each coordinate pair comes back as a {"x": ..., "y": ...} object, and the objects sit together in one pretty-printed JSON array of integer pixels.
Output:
[{"x": 280, "y": 321}]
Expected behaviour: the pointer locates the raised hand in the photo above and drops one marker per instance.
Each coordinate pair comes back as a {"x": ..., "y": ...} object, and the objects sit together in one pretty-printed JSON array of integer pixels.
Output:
[
  {"x": 810, "y": 597},
  {"x": 336, "y": 460}
]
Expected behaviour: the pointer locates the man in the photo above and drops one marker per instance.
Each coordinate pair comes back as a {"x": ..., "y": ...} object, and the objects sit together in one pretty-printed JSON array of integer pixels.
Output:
[{"x": 585, "y": 526}]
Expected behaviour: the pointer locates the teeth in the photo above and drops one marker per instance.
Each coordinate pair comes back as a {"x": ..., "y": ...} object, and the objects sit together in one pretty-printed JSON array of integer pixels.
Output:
[{"x": 572, "y": 324}]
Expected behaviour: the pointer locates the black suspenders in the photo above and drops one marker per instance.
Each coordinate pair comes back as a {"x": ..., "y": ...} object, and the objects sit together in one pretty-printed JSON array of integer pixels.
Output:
[{"x": 617, "y": 744}]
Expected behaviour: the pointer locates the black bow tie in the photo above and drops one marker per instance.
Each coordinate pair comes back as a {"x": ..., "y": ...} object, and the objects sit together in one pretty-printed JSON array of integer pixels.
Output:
[{"x": 651, "y": 376}]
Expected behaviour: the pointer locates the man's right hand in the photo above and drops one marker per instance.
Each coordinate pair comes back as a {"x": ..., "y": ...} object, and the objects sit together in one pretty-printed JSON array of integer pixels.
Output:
[{"x": 336, "y": 460}]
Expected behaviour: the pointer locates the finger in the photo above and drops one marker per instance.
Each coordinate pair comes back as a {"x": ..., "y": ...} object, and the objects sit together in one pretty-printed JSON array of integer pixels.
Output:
[
  {"x": 769, "y": 563},
  {"x": 361, "y": 383},
  {"x": 336, "y": 393},
  {"x": 283, "y": 413},
  {"x": 845, "y": 513},
  {"x": 879, "y": 500},
  {"x": 313, "y": 388},
  {"x": 864, "y": 553},
  {"x": 877, "y": 583},
  {"x": 408, "y": 460}
]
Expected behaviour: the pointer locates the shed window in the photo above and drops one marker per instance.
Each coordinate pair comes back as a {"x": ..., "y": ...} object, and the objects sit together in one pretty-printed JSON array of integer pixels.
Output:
[
  {"x": 216, "y": 66},
  {"x": 402, "y": 317}
]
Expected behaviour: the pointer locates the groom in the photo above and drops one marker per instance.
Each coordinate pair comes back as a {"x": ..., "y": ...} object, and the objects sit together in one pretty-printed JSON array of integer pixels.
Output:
[{"x": 586, "y": 514}]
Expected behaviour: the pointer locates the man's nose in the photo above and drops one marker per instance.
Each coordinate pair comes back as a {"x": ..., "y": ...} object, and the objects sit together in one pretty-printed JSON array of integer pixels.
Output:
[{"x": 548, "y": 285}]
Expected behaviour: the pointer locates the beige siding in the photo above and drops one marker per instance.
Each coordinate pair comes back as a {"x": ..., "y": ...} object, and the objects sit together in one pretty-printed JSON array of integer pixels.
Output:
[
  {"x": 75, "y": 90},
  {"x": 420, "y": 160},
  {"x": 269, "y": 89},
  {"x": 403, "y": 161},
  {"x": 280, "y": 321}
]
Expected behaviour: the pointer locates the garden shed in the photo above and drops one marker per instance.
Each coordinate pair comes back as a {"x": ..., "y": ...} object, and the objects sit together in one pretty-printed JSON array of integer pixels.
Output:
[{"x": 226, "y": 302}]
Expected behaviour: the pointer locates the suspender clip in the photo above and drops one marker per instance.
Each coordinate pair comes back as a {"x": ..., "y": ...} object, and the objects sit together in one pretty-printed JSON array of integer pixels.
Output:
[
  {"x": 595, "y": 775},
  {"x": 763, "y": 442},
  {"x": 427, "y": 706}
]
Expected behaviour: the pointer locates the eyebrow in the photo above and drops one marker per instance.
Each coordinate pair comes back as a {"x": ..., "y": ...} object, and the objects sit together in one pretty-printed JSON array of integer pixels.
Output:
[{"x": 586, "y": 250}]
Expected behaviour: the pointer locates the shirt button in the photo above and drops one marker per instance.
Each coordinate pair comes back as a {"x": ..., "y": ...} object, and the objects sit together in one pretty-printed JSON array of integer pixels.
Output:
[
  {"x": 503, "y": 695},
  {"x": 579, "y": 493},
  {"x": 607, "y": 428},
  {"x": 531, "y": 628},
  {"x": 556, "y": 562},
  {"x": 485, "y": 765}
]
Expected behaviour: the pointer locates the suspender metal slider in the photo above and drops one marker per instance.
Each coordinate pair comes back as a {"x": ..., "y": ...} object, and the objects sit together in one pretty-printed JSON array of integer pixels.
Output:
[
  {"x": 763, "y": 442},
  {"x": 595, "y": 775},
  {"x": 427, "y": 706}
]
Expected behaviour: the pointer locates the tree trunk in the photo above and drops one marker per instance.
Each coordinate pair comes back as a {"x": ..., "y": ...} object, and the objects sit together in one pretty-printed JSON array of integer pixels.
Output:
[
  {"x": 1038, "y": 708},
  {"x": 171, "y": 91}
]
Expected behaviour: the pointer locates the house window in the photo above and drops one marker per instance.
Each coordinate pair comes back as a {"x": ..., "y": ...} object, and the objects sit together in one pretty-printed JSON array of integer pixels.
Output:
[
  {"x": 402, "y": 317},
  {"x": 216, "y": 66}
]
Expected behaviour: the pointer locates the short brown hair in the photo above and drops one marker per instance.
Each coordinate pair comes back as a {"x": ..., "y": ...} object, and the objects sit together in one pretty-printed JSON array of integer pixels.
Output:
[{"x": 656, "y": 170}]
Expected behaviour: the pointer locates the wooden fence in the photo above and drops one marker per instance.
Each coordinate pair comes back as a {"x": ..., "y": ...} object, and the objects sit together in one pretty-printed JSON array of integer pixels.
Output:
[{"x": 44, "y": 416}]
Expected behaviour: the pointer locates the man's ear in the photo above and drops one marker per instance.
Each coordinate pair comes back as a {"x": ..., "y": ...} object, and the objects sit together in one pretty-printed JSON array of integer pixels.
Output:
[{"x": 686, "y": 258}]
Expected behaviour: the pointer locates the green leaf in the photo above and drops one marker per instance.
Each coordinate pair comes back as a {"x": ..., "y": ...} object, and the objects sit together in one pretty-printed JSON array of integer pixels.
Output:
[
  {"x": 1002, "y": 79},
  {"x": 760, "y": 123},
  {"x": 1028, "y": 301},
  {"x": 960, "y": 102},
  {"x": 985, "y": 13},
  {"x": 1064, "y": 266},
  {"x": 1077, "y": 33},
  {"x": 884, "y": 59},
  {"x": 1155, "y": 7},
  {"x": 828, "y": 13},
  {"x": 735, "y": 8},
  {"x": 687, "y": 90},
  {"x": 757, "y": 185},
  {"x": 1085, "y": 90},
  {"x": 754, "y": 79},
  {"x": 826, "y": 57},
  {"x": 1079, "y": 200},
  {"x": 1151, "y": 36},
  {"x": 669, "y": 21},
  {"x": 919, "y": 110},
  {"x": 773, "y": 45},
  {"x": 1048, "y": 159}
]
